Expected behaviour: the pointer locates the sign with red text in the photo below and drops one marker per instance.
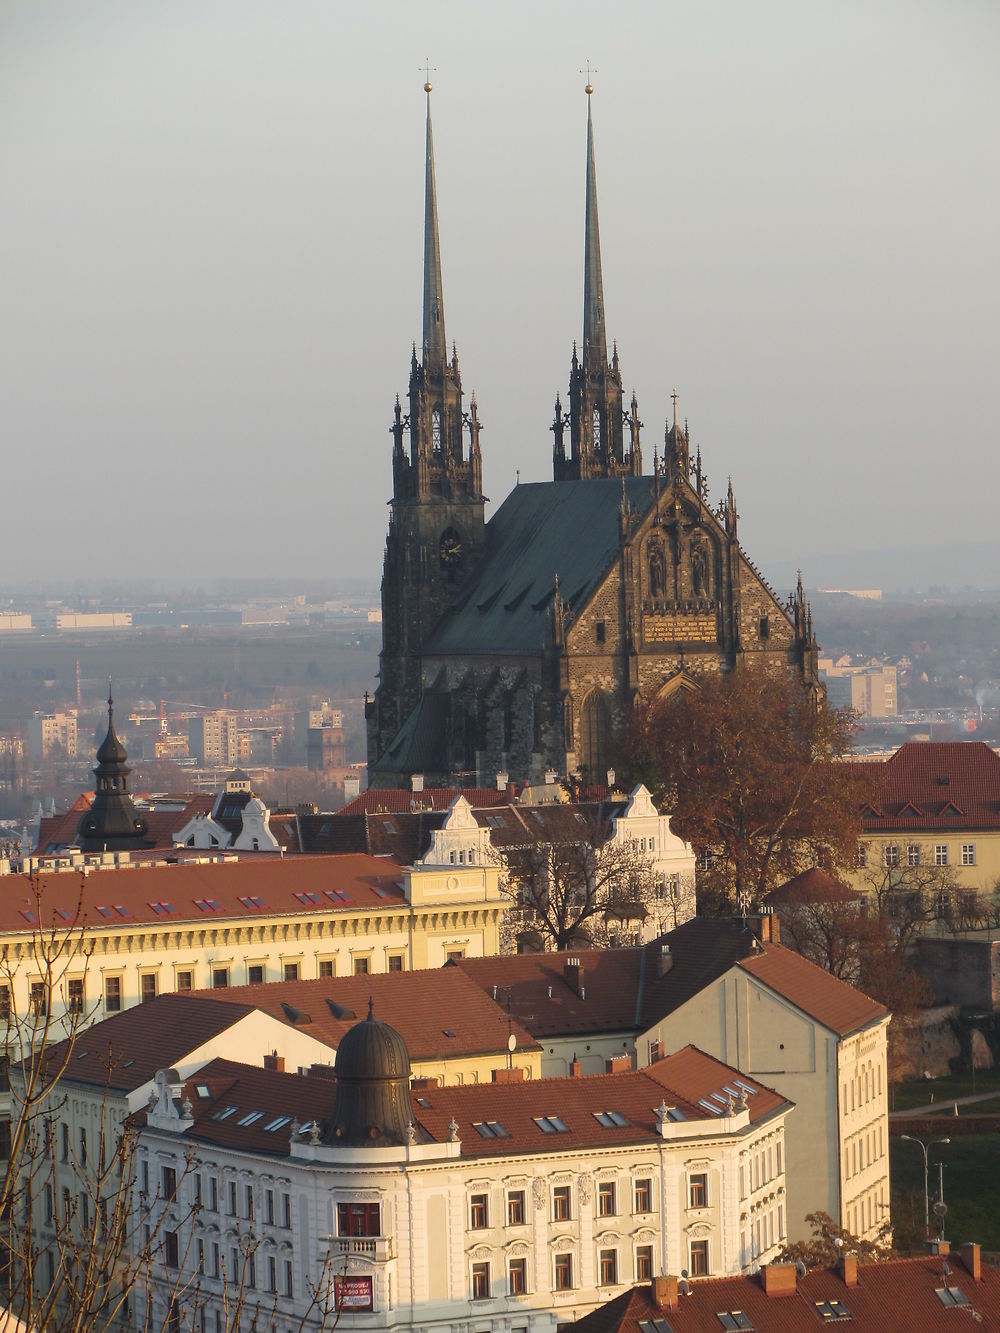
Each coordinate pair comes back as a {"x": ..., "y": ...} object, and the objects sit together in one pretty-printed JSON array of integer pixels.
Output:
[{"x": 353, "y": 1293}]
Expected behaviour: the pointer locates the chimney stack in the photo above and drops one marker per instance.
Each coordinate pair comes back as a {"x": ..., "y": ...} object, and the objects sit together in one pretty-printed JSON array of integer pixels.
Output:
[
  {"x": 778, "y": 1279},
  {"x": 765, "y": 925},
  {"x": 665, "y": 961},
  {"x": 575, "y": 1067},
  {"x": 970, "y": 1255},
  {"x": 573, "y": 973},
  {"x": 513, "y": 1075},
  {"x": 275, "y": 1061},
  {"x": 416, "y": 782},
  {"x": 849, "y": 1269},
  {"x": 618, "y": 1064},
  {"x": 663, "y": 1291}
]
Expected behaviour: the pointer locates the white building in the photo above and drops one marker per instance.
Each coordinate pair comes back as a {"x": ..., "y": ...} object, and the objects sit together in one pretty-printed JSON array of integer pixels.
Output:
[{"x": 520, "y": 1206}]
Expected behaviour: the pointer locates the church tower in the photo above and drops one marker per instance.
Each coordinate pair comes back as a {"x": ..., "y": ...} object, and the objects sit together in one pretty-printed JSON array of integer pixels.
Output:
[
  {"x": 436, "y": 518},
  {"x": 596, "y": 416},
  {"x": 112, "y": 822}
]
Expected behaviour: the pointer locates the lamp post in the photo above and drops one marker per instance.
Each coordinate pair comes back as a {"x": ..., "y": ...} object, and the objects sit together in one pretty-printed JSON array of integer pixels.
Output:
[{"x": 924, "y": 1147}]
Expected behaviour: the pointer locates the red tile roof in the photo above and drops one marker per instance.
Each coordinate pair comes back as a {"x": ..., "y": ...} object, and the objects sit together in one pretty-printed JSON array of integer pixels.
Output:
[
  {"x": 895, "y": 1297},
  {"x": 816, "y": 992},
  {"x": 934, "y": 785},
  {"x": 679, "y": 1080},
  {"x": 812, "y": 886},
  {"x": 369, "y": 883},
  {"x": 401, "y": 800}
]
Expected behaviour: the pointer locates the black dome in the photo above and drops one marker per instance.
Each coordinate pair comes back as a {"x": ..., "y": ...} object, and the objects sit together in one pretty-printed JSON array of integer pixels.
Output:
[
  {"x": 372, "y": 1070},
  {"x": 111, "y": 751}
]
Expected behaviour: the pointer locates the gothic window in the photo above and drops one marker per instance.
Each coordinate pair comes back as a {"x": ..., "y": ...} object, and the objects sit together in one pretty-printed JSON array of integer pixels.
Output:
[
  {"x": 436, "y": 430},
  {"x": 699, "y": 570},
  {"x": 657, "y": 574},
  {"x": 594, "y": 728},
  {"x": 597, "y": 430}
]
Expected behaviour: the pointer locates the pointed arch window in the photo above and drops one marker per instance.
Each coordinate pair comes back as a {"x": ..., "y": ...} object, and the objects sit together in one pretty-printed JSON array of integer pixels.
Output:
[
  {"x": 597, "y": 430},
  {"x": 594, "y": 730},
  {"x": 436, "y": 430}
]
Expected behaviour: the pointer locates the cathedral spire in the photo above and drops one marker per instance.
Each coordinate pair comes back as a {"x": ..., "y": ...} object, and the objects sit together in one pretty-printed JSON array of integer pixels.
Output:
[
  {"x": 595, "y": 342},
  {"x": 435, "y": 343}
]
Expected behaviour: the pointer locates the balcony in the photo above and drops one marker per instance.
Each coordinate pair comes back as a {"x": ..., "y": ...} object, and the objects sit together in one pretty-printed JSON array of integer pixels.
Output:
[{"x": 378, "y": 1249}]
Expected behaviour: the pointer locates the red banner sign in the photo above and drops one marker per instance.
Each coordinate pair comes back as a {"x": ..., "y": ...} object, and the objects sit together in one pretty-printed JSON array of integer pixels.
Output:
[{"x": 353, "y": 1293}]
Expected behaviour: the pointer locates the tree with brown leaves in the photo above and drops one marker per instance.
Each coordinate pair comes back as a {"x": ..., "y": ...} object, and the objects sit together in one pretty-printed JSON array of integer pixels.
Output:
[{"x": 748, "y": 765}]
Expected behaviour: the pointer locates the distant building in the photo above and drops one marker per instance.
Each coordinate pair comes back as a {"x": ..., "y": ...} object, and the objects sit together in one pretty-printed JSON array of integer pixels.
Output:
[
  {"x": 871, "y": 688},
  {"x": 214, "y": 739},
  {"x": 48, "y": 731},
  {"x": 325, "y": 742},
  {"x": 91, "y": 620}
]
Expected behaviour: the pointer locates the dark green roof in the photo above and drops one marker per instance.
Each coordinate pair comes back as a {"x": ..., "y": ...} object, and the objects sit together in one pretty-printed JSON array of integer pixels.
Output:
[{"x": 569, "y": 528}]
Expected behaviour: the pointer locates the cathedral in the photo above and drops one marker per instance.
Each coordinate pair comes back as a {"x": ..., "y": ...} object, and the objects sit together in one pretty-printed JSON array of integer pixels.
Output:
[{"x": 520, "y": 645}]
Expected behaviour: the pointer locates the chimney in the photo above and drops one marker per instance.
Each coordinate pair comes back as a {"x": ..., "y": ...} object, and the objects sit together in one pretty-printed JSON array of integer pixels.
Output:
[
  {"x": 766, "y": 925},
  {"x": 618, "y": 1064},
  {"x": 969, "y": 1254},
  {"x": 275, "y": 1061},
  {"x": 550, "y": 777},
  {"x": 502, "y": 781},
  {"x": 665, "y": 961},
  {"x": 575, "y": 1067},
  {"x": 419, "y": 1084},
  {"x": 849, "y": 1269},
  {"x": 416, "y": 782},
  {"x": 611, "y": 779},
  {"x": 513, "y": 1075},
  {"x": 663, "y": 1291},
  {"x": 938, "y": 1246},
  {"x": 778, "y": 1279},
  {"x": 573, "y": 972}
]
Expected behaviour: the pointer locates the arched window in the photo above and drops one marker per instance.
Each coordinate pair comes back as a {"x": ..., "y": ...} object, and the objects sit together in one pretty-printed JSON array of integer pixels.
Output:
[
  {"x": 436, "y": 430},
  {"x": 597, "y": 430},
  {"x": 593, "y": 729}
]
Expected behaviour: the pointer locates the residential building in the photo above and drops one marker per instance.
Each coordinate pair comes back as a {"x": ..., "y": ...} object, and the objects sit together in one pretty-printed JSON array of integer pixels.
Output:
[
  {"x": 214, "y": 739},
  {"x": 933, "y": 805},
  {"x": 739, "y": 995},
  {"x": 870, "y": 688},
  {"x": 49, "y": 731},
  {"x": 514, "y": 645},
  {"x": 518, "y": 1205}
]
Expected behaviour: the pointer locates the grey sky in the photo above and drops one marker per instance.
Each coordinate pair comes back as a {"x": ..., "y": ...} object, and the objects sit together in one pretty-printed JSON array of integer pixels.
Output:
[{"x": 210, "y": 263}]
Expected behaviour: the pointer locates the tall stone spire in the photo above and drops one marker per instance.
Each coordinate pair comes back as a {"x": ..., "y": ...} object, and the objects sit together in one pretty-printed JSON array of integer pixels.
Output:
[
  {"x": 435, "y": 342},
  {"x": 595, "y": 340}
]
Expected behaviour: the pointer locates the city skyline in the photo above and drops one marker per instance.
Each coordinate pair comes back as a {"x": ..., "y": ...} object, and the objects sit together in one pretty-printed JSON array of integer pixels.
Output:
[{"x": 212, "y": 254}]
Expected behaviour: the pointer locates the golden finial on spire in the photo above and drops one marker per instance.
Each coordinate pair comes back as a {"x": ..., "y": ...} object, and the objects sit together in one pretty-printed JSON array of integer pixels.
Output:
[
  {"x": 590, "y": 87},
  {"x": 427, "y": 75}
]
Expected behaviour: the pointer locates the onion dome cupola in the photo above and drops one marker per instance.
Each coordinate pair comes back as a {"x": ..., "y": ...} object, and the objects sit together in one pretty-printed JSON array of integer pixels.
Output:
[
  {"x": 372, "y": 1103},
  {"x": 112, "y": 822}
]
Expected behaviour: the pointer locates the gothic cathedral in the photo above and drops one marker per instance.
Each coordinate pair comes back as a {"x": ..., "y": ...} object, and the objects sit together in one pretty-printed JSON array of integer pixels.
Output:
[{"x": 520, "y": 645}]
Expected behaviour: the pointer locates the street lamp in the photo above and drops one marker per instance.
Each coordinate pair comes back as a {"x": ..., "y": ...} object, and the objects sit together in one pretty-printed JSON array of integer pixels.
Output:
[{"x": 924, "y": 1147}]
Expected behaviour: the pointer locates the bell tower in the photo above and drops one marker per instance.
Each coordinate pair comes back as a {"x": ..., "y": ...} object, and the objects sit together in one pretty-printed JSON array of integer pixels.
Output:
[
  {"x": 436, "y": 516},
  {"x": 596, "y": 416}
]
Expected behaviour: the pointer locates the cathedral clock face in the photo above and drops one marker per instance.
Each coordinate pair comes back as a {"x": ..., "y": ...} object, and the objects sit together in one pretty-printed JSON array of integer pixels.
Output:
[{"x": 451, "y": 551}]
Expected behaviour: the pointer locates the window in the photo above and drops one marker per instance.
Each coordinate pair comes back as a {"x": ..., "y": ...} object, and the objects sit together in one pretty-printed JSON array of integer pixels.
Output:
[
  {"x": 707, "y": 859},
  {"x": 606, "y": 1198},
  {"x": 517, "y": 1277},
  {"x": 5, "y": 1003},
  {"x": 941, "y": 854},
  {"x": 220, "y": 977},
  {"x": 255, "y": 974},
  {"x": 609, "y": 1267},
  {"x": 147, "y": 987},
  {"x": 288, "y": 1277},
  {"x": 551, "y": 1124},
  {"x": 248, "y": 1201},
  {"x": 478, "y": 1212},
  {"x": 183, "y": 980},
  {"x": 272, "y": 1274},
  {"x": 698, "y": 1191},
  {"x": 291, "y": 971},
  {"x": 564, "y": 1272},
  {"x": 913, "y": 854},
  {"x": 394, "y": 962},
  {"x": 286, "y": 1212},
  {"x": 644, "y": 1263},
  {"x": 764, "y": 629},
  {"x": 968, "y": 853},
  {"x": 890, "y": 855},
  {"x": 269, "y": 1207},
  {"x": 454, "y": 955},
  {"x": 600, "y": 631},
  {"x": 515, "y": 1208},
  {"x": 644, "y": 1196},
  {"x": 75, "y": 995},
  {"x": 39, "y": 1000},
  {"x": 326, "y": 967},
  {"x": 65, "y": 1141},
  {"x": 561, "y": 1207},
  {"x": 735, "y": 1319},
  {"x": 113, "y": 994},
  {"x": 861, "y": 856},
  {"x": 361, "y": 967},
  {"x": 699, "y": 1258},
  {"x": 353, "y": 1219},
  {"x": 480, "y": 1282},
  {"x": 832, "y": 1311},
  {"x": 170, "y": 1249},
  {"x": 169, "y": 1183},
  {"x": 213, "y": 1194}
]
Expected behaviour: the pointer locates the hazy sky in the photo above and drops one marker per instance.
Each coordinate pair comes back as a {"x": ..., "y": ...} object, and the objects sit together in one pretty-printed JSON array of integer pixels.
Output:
[{"x": 210, "y": 263}]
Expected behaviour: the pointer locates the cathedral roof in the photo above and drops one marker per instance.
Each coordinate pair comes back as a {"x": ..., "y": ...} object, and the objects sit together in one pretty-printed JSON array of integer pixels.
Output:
[{"x": 542, "y": 529}]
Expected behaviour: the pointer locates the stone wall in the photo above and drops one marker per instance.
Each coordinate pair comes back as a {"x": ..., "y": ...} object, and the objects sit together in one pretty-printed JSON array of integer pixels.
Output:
[{"x": 962, "y": 971}]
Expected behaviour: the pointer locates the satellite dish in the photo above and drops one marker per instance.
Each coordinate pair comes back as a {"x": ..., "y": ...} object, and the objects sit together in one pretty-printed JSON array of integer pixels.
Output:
[{"x": 511, "y": 1042}]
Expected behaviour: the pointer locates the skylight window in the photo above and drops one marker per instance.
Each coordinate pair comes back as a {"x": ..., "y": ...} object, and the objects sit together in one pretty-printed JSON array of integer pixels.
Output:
[
  {"x": 304, "y": 1129},
  {"x": 380, "y": 889},
  {"x": 490, "y": 1129},
  {"x": 551, "y": 1124},
  {"x": 203, "y": 1091},
  {"x": 710, "y": 1106},
  {"x": 654, "y": 1326},
  {"x": 127, "y": 1064},
  {"x": 29, "y": 916},
  {"x": 122, "y": 911},
  {"x": 83, "y": 1055},
  {"x": 745, "y": 1087},
  {"x": 278, "y": 1123},
  {"x": 308, "y": 898},
  {"x": 163, "y": 909},
  {"x": 251, "y": 900},
  {"x": 735, "y": 1319},
  {"x": 832, "y": 1312},
  {"x": 207, "y": 905},
  {"x": 423, "y": 1102},
  {"x": 610, "y": 1119},
  {"x": 389, "y": 826},
  {"x": 951, "y": 1296},
  {"x": 250, "y": 1118},
  {"x": 224, "y": 1115},
  {"x": 64, "y": 914},
  {"x": 338, "y": 896},
  {"x": 104, "y": 911},
  {"x": 675, "y": 1113}
]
